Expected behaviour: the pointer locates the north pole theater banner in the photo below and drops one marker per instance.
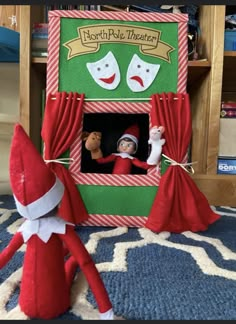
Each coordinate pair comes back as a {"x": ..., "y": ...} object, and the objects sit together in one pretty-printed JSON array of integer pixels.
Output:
[
  {"x": 118, "y": 60},
  {"x": 136, "y": 54}
]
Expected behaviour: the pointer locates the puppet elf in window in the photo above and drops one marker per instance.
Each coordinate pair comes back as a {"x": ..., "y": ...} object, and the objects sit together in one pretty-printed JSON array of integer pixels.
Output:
[
  {"x": 127, "y": 146},
  {"x": 53, "y": 249}
]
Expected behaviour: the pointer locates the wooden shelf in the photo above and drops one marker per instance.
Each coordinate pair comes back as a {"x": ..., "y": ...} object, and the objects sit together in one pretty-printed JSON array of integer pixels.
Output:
[
  {"x": 199, "y": 64},
  {"x": 196, "y": 69},
  {"x": 40, "y": 60},
  {"x": 219, "y": 188},
  {"x": 230, "y": 53}
]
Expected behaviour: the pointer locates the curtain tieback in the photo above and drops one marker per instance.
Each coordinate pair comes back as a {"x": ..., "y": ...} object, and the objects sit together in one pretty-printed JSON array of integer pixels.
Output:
[
  {"x": 186, "y": 166},
  {"x": 61, "y": 160}
]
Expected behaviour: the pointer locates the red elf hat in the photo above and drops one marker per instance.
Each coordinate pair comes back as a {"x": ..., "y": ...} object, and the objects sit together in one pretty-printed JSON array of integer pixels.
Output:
[
  {"x": 36, "y": 189},
  {"x": 131, "y": 132}
]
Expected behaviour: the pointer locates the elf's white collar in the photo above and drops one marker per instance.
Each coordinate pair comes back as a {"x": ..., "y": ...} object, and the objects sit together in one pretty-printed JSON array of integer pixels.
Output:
[
  {"x": 43, "y": 227},
  {"x": 124, "y": 155}
]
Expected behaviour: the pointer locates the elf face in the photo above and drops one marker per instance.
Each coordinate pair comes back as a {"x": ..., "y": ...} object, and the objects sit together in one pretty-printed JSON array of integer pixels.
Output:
[
  {"x": 141, "y": 74},
  {"x": 126, "y": 146},
  {"x": 105, "y": 72}
]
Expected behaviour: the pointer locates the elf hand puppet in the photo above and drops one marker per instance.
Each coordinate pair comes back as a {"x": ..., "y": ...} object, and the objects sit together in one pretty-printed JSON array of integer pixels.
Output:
[{"x": 48, "y": 270}]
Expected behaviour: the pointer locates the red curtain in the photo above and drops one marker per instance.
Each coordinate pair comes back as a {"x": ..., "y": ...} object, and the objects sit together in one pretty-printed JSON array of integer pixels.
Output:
[
  {"x": 178, "y": 205},
  {"x": 62, "y": 119}
]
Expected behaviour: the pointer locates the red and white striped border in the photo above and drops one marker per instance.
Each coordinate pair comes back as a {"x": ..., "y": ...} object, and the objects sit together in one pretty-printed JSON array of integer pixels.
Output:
[
  {"x": 152, "y": 178},
  {"x": 54, "y": 38},
  {"x": 53, "y": 55},
  {"x": 182, "y": 57},
  {"x": 122, "y": 15},
  {"x": 114, "y": 220}
]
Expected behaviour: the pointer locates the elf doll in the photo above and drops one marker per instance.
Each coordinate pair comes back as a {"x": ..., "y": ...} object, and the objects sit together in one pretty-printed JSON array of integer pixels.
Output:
[
  {"x": 127, "y": 146},
  {"x": 48, "y": 269}
]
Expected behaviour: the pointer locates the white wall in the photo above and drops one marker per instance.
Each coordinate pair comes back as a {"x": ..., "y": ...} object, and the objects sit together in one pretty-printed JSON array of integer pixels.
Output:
[{"x": 9, "y": 114}]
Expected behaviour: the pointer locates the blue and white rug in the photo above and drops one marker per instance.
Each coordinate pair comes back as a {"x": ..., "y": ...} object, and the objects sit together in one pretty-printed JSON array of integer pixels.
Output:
[{"x": 188, "y": 276}]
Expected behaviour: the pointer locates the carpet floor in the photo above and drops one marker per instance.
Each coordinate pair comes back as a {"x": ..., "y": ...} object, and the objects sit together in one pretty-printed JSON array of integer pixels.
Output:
[{"x": 187, "y": 276}]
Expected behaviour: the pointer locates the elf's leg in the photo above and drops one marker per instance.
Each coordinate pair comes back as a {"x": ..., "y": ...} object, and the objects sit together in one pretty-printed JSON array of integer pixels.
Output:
[
  {"x": 70, "y": 269},
  {"x": 87, "y": 265}
]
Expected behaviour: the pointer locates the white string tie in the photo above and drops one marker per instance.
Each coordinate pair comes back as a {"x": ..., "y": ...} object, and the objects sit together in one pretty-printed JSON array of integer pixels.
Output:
[
  {"x": 186, "y": 166},
  {"x": 61, "y": 160}
]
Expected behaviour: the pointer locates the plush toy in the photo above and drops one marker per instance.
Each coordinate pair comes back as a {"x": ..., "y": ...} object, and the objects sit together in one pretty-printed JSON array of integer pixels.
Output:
[
  {"x": 127, "y": 146},
  {"x": 156, "y": 143},
  {"x": 93, "y": 143},
  {"x": 48, "y": 268}
]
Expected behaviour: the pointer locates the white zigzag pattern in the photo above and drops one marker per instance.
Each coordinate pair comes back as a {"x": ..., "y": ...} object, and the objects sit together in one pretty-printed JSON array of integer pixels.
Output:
[
  {"x": 120, "y": 252},
  {"x": 223, "y": 213},
  {"x": 80, "y": 306}
]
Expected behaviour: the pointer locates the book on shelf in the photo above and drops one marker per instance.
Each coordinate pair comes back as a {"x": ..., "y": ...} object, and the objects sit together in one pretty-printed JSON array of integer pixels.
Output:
[
  {"x": 114, "y": 8},
  {"x": 39, "y": 41},
  {"x": 227, "y": 144},
  {"x": 145, "y": 8},
  {"x": 40, "y": 36},
  {"x": 40, "y": 28},
  {"x": 228, "y": 109},
  {"x": 39, "y": 53},
  {"x": 69, "y": 7},
  {"x": 226, "y": 165}
]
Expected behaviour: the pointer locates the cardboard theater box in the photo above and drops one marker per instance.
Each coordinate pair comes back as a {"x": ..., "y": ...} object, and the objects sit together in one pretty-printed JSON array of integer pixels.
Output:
[{"x": 118, "y": 60}]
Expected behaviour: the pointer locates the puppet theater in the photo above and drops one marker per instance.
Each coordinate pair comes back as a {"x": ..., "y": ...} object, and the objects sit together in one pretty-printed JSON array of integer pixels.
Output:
[{"x": 107, "y": 71}]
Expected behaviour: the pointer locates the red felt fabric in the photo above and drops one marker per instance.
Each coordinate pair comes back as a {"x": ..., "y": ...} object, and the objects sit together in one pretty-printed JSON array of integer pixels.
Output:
[
  {"x": 44, "y": 292},
  {"x": 86, "y": 264},
  {"x": 46, "y": 278},
  {"x": 10, "y": 250},
  {"x": 30, "y": 189},
  {"x": 62, "y": 120},
  {"x": 178, "y": 205},
  {"x": 122, "y": 165}
]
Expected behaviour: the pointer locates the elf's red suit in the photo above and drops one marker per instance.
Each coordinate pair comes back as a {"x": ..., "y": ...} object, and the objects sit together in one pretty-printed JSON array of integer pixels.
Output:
[
  {"x": 123, "y": 161},
  {"x": 48, "y": 270}
]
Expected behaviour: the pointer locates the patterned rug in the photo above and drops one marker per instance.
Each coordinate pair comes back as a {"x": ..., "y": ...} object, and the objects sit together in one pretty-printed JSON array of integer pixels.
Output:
[{"x": 187, "y": 276}]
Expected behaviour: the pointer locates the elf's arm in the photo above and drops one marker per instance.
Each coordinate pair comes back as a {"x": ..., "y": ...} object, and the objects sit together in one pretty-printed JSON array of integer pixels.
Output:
[
  {"x": 15, "y": 243},
  {"x": 87, "y": 265},
  {"x": 141, "y": 164},
  {"x": 109, "y": 158}
]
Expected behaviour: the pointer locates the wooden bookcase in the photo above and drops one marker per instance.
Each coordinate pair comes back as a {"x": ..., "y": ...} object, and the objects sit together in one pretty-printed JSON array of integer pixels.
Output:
[{"x": 206, "y": 86}]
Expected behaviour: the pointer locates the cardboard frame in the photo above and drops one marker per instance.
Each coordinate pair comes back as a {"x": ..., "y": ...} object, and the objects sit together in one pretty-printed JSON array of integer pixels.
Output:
[{"x": 114, "y": 200}]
